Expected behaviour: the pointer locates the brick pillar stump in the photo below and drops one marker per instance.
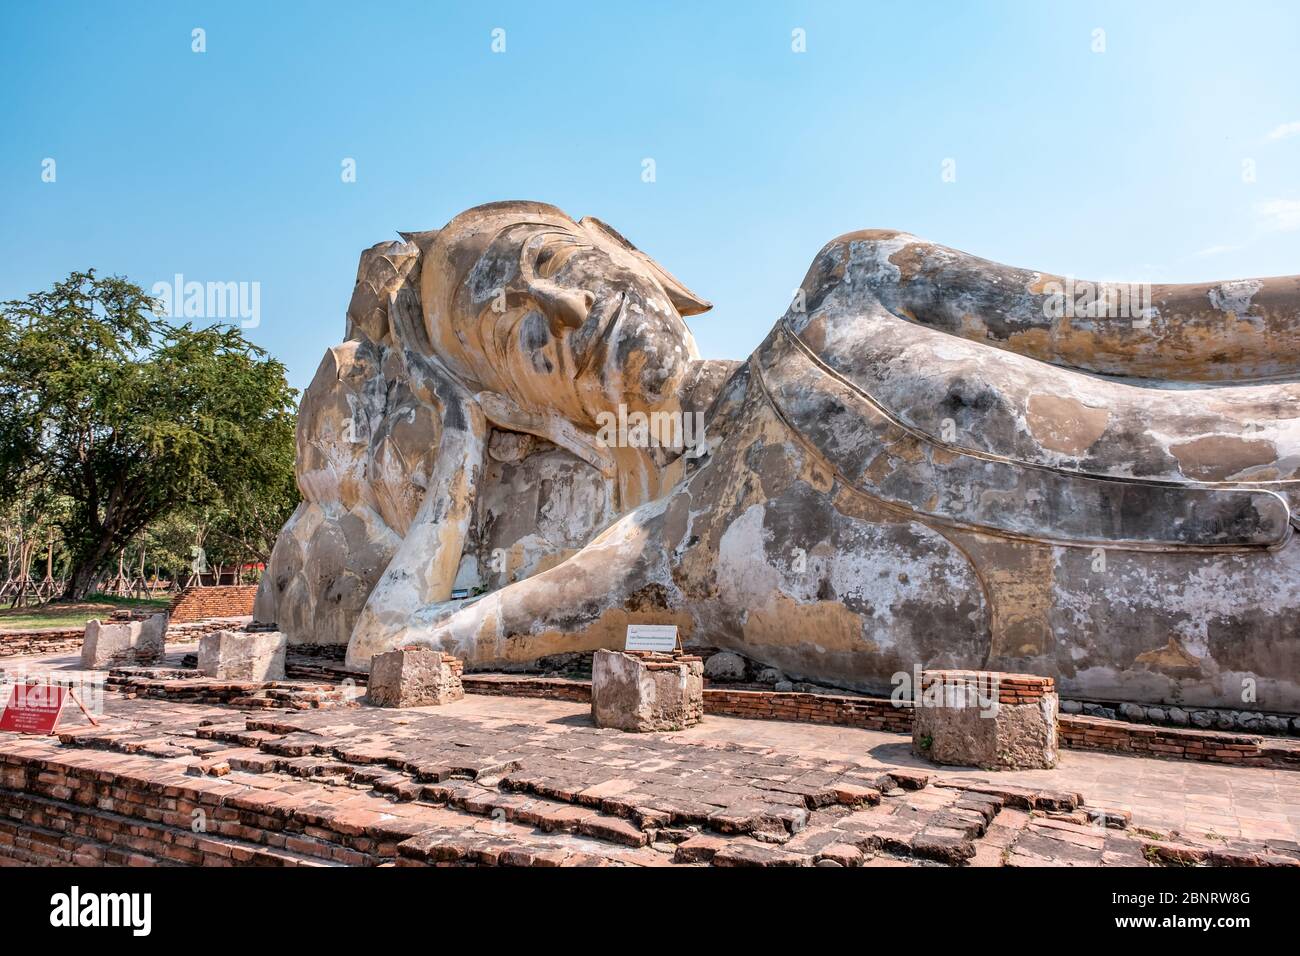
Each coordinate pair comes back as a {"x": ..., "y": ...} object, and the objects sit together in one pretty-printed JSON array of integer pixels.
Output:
[
  {"x": 414, "y": 677},
  {"x": 986, "y": 719},
  {"x": 242, "y": 655},
  {"x": 644, "y": 691},
  {"x": 119, "y": 642}
]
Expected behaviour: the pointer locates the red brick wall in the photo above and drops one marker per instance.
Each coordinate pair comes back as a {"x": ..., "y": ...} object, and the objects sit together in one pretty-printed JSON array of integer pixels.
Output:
[
  {"x": 195, "y": 604},
  {"x": 868, "y": 712},
  {"x": 550, "y": 688},
  {"x": 47, "y": 641},
  {"x": 73, "y": 811},
  {"x": 1178, "y": 743},
  {"x": 41, "y": 641}
]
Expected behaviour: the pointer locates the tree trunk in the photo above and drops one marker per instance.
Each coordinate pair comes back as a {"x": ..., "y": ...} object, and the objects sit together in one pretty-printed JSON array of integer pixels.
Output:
[
  {"x": 80, "y": 581},
  {"x": 85, "y": 568}
]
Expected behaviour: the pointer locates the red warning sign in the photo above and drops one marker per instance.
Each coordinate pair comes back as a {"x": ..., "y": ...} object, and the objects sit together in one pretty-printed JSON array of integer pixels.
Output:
[{"x": 33, "y": 708}]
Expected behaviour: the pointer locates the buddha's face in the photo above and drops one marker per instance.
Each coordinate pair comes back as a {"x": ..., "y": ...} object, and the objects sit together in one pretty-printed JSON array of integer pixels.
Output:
[{"x": 556, "y": 313}]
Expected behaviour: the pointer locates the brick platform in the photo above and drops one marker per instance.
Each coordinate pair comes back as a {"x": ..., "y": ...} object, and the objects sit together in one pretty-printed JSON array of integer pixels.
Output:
[
  {"x": 186, "y": 784},
  {"x": 1077, "y": 732},
  {"x": 877, "y": 713}
]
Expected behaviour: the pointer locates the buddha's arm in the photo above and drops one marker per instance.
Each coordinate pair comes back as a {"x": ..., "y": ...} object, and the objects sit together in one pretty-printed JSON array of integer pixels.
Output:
[
  {"x": 579, "y": 605},
  {"x": 421, "y": 574},
  {"x": 1242, "y": 330}
]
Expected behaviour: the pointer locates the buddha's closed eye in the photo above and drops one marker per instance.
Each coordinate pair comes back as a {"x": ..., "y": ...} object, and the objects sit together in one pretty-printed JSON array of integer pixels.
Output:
[{"x": 554, "y": 251}]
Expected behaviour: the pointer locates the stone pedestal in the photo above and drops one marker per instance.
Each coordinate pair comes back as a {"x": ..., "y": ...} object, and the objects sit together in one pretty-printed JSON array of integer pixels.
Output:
[
  {"x": 986, "y": 719},
  {"x": 414, "y": 677},
  {"x": 641, "y": 691},
  {"x": 123, "y": 642},
  {"x": 242, "y": 655}
]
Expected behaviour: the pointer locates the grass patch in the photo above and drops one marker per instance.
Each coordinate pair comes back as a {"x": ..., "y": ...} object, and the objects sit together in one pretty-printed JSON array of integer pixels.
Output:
[{"x": 74, "y": 613}]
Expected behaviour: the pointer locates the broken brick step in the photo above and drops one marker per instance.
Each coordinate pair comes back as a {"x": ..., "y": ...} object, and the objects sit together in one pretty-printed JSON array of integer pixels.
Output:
[
  {"x": 152, "y": 818},
  {"x": 634, "y": 830},
  {"x": 1185, "y": 854},
  {"x": 77, "y": 836},
  {"x": 294, "y": 758},
  {"x": 387, "y": 816},
  {"x": 360, "y": 783},
  {"x": 401, "y": 777},
  {"x": 183, "y": 685},
  {"x": 1022, "y": 798}
]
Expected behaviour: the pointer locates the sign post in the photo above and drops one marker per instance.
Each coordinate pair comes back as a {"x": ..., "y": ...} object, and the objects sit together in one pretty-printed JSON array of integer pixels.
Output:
[
  {"x": 33, "y": 709},
  {"x": 651, "y": 637},
  {"x": 77, "y": 700},
  {"x": 36, "y": 708}
]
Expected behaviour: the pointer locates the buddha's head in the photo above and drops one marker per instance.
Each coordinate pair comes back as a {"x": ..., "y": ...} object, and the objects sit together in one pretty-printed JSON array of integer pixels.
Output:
[{"x": 555, "y": 313}]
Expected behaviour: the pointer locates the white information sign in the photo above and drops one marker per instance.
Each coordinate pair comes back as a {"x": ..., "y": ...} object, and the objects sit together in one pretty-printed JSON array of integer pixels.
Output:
[{"x": 651, "y": 637}]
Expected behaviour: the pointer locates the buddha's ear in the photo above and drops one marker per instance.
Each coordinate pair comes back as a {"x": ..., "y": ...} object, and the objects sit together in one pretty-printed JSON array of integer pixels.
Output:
[{"x": 683, "y": 299}]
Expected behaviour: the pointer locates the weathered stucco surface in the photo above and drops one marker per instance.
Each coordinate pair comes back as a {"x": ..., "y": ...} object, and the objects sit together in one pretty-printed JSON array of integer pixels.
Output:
[
  {"x": 1015, "y": 737},
  {"x": 924, "y": 464}
]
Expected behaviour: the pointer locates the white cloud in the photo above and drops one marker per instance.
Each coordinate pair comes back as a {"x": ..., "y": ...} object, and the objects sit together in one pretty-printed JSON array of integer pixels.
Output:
[
  {"x": 1278, "y": 215},
  {"x": 1283, "y": 131},
  {"x": 1215, "y": 251}
]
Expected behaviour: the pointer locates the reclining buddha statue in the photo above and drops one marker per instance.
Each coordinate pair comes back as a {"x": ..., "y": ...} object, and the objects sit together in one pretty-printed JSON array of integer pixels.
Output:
[{"x": 931, "y": 460}]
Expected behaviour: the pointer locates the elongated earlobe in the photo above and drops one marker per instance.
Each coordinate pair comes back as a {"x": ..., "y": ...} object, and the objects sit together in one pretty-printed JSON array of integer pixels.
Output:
[{"x": 683, "y": 299}]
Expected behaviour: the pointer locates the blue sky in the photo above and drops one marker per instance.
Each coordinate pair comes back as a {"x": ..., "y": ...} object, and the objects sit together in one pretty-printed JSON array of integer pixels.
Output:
[{"x": 1126, "y": 164}]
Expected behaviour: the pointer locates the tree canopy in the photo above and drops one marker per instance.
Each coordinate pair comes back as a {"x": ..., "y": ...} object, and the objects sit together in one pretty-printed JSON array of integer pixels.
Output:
[{"x": 129, "y": 419}]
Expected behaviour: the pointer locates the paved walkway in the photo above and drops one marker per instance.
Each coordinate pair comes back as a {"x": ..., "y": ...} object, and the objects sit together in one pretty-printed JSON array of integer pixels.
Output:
[
  {"x": 1182, "y": 797},
  {"x": 1244, "y": 802}
]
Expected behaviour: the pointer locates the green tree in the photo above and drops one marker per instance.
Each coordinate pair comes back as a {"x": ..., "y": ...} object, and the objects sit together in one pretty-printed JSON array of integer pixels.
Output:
[
  {"x": 132, "y": 418},
  {"x": 245, "y": 529}
]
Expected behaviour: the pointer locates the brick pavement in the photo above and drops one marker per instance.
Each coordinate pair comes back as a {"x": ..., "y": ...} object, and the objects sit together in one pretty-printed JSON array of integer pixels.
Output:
[
  {"x": 473, "y": 779},
  {"x": 491, "y": 780}
]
